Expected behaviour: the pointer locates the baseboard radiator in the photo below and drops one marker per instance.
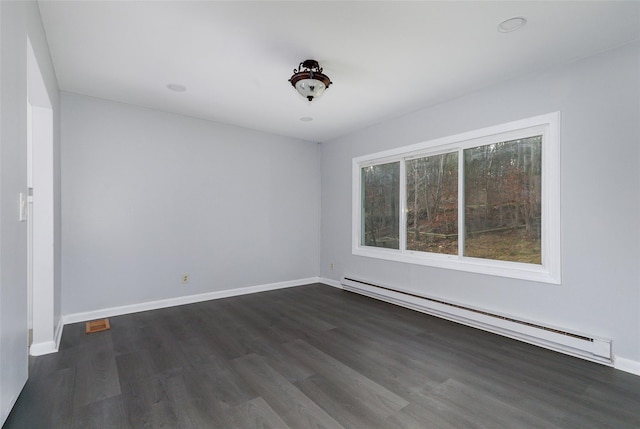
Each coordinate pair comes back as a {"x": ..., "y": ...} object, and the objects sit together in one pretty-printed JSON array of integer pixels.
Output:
[{"x": 571, "y": 343}]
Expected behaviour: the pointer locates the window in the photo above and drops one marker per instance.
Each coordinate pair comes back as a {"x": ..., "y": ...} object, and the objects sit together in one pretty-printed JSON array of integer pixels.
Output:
[
  {"x": 486, "y": 201},
  {"x": 503, "y": 201},
  {"x": 432, "y": 203},
  {"x": 380, "y": 205}
]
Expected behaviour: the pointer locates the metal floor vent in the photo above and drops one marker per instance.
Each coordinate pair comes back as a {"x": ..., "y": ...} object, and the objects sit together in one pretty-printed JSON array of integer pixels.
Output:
[{"x": 97, "y": 326}]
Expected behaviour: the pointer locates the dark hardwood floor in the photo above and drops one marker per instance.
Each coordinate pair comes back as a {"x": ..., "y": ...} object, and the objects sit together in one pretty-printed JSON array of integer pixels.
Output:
[{"x": 313, "y": 357}]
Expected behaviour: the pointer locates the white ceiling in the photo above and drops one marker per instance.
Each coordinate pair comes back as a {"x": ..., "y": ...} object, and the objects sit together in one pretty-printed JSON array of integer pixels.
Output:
[{"x": 385, "y": 58}]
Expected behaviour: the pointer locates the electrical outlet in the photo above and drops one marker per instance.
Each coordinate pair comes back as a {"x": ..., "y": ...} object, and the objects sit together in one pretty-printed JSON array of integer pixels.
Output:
[
  {"x": 185, "y": 279},
  {"x": 332, "y": 266}
]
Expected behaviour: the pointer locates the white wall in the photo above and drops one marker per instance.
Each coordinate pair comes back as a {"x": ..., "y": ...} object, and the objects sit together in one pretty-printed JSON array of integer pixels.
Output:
[
  {"x": 599, "y": 98},
  {"x": 18, "y": 20},
  {"x": 149, "y": 196}
]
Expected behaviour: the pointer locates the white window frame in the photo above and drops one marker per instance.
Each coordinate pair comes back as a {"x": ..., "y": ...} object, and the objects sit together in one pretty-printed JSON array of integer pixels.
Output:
[{"x": 549, "y": 271}]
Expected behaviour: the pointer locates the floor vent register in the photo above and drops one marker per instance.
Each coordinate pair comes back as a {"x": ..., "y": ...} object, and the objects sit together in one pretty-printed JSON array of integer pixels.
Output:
[{"x": 98, "y": 326}]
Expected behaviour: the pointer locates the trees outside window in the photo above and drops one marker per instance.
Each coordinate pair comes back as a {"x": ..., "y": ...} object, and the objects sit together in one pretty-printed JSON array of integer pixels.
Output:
[
  {"x": 432, "y": 203},
  {"x": 380, "y": 205},
  {"x": 503, "y": 200}
]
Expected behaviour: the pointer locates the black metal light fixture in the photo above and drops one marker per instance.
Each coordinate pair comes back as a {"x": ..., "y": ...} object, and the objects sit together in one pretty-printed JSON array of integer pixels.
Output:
[{"x": 309, "y": 80}]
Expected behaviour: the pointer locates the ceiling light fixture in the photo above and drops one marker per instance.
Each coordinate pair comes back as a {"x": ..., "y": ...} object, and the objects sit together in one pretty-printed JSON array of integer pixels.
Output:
[
  {"x": 309, "y": 80},
  {"x": 512, "y": 24}
]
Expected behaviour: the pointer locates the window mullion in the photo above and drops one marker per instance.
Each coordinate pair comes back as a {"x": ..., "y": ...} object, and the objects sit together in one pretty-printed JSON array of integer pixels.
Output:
[
  {"x": 403, "y": 207},
  {"x": 461, "y": 211}
]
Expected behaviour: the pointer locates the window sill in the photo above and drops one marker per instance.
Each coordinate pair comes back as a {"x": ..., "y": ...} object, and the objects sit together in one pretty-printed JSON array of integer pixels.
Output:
[{"x": 515, "y": 270}]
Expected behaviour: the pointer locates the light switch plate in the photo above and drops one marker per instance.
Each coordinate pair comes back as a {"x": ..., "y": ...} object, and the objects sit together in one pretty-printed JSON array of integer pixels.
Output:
[{"x": 22, "y": 202}]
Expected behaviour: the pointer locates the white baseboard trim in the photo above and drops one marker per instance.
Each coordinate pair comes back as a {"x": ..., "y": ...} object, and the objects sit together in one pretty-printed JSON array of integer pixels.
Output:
[
  {"x": 181, "y": 300},
  {"x": 43, "y": 348},
  {"x": 46, "y": 347},
  {"x": 627, "y": 365},
  {"x": 330, "y": 282}
]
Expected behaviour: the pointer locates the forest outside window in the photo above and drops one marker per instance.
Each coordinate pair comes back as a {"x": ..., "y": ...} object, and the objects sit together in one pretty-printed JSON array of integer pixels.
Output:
[
  {"x": 380, "y": 204},
  {"x": 485, "y": 201}
]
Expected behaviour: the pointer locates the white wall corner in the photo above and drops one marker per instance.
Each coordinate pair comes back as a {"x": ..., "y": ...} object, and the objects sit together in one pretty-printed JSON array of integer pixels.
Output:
[
  {"x": 57, "y": 336},
  {"x": 627, "y": 365},
  {"x": 330, "y": 282}
]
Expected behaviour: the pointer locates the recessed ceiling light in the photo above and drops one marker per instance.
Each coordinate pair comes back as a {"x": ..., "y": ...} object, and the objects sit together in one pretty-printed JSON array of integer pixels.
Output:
[
  {"x": 176, "y": 87},
  {"x": 512, "y": 24},
  {"x": 306, "y": 119}
]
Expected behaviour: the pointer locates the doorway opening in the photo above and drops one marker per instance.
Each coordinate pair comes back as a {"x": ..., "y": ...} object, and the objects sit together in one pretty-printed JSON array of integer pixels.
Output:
[{"x": 40, "y": 198}]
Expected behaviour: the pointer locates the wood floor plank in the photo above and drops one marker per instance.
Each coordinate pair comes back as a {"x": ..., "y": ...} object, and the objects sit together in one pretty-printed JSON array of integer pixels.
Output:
[
  {"x": 318, "y": 357},
  {"x": 488, "y": 409},
  {"x": 221, "y": 332},
  {"x": 104, "y": 414},
  {"x": 381, "y": 363},
  {"x": 146, "y": 403},
  {"x": 416, "y": 416},
  {"x": 255, "y": 414},
  {"x": 46, "y": 401},
  {"x": 223, "y": 388},
  {"x": 349, "y": 411},
  {"x": 161, "y": 345},
  {"x": 293, "y": 406},
  {"x": 380, "y": 401},
  {"x": 96, "y": 372},
  {"x": 280, "y": 360},
  {"x": 517, "y": 391},
  {"x": 192, "y": 411}
]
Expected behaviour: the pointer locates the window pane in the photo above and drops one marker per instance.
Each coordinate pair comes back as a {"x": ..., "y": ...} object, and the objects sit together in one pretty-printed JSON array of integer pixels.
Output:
[
  {"x": 432, "y": 204},
  {"x": 380, "y": 205},
  {"x": 502, "y": 183}
]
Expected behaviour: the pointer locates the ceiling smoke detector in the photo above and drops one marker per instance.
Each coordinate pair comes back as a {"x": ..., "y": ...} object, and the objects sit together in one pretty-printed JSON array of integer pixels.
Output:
[{"x": 512, "y": 24}]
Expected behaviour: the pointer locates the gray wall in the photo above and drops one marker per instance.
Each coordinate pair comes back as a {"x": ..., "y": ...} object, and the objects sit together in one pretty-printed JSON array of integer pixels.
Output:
[
  {"x": 19, "y": 20},
  {"x": 599, "y": 98},
  {"x": 149, "y": 196}
]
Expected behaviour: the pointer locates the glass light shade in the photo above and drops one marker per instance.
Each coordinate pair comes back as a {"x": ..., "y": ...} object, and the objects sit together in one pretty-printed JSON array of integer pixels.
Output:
[{"x": 310, "y": 87}]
